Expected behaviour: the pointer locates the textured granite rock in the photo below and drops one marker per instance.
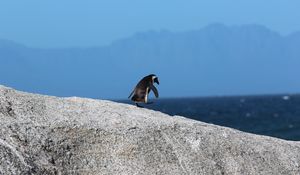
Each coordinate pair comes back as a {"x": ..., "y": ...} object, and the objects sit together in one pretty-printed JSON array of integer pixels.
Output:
[{"x": 51, "y": 135}]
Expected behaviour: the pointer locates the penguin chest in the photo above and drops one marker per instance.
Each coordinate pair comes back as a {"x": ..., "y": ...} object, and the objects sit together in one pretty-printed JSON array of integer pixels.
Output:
[{"x": 146, "y": 95}]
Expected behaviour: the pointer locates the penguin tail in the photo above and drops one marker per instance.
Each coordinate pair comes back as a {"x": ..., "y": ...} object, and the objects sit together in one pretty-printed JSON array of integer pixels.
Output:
[{"x": 130, "y": 94}]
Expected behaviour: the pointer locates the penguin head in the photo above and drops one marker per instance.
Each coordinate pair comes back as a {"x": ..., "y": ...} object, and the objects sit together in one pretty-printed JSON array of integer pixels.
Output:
[{"x": 155, "y": 79}]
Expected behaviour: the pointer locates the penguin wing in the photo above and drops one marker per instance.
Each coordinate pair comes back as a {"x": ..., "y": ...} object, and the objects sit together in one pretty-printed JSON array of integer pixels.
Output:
[{"x": 153, "y": 88}]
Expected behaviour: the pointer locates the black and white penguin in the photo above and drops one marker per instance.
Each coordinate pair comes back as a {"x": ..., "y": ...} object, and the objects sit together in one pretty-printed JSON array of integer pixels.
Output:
[{"x": 143, "y": 88}]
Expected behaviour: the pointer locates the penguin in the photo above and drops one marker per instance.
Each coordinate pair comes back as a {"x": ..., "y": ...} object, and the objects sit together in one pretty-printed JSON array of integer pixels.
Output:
[{"x": 143, "y": 88}]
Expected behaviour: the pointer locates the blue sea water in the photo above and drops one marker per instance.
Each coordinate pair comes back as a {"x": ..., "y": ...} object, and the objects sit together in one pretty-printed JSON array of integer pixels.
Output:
[{"x": 271, "y": 115}]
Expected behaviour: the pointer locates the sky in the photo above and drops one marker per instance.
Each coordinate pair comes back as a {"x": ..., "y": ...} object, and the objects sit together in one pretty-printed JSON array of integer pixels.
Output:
[{"x": 88, "y": 23}]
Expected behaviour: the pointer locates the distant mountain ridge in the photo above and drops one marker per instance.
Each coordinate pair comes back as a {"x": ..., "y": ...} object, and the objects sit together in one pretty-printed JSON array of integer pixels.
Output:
[{"x": 215, "y": 60}]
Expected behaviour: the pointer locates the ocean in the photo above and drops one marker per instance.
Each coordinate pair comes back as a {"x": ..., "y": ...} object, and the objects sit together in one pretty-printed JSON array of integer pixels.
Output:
[{"x": 271, "y": 115}]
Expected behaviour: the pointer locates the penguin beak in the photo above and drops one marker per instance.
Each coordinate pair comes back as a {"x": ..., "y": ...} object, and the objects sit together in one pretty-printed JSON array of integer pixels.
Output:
[{"x": 156, "y": 81}]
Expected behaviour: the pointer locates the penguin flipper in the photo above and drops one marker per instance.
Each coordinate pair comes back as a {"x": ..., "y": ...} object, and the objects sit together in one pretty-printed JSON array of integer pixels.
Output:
[{"x": 153, "y": 88}]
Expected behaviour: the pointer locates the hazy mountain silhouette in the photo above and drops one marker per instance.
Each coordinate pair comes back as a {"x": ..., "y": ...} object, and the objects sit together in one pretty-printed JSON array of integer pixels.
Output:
[{"x": 215, "y": 60}]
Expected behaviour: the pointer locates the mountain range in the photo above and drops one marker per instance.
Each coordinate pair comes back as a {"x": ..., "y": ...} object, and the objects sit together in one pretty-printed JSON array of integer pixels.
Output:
[{"x": 214, "y": 60}]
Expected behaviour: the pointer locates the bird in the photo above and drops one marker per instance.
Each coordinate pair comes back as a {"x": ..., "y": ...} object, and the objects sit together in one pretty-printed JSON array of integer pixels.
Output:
[{"x": 143, "y": 88}]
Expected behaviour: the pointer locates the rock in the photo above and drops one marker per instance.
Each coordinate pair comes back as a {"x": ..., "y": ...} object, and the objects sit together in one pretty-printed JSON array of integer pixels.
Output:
[{"x": 50, "y": 135}]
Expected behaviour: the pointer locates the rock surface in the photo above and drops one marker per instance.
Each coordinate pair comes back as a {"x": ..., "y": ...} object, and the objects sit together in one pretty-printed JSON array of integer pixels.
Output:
[{"x": 51, "y": 135}]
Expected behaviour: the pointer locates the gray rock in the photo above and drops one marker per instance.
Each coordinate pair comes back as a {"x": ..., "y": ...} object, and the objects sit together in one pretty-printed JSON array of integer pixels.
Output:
[{"x": 51, "y": 135}]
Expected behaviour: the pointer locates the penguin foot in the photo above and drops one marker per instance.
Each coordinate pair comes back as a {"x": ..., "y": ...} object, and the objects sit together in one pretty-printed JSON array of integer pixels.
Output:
[{"x": 139, "y": 105}]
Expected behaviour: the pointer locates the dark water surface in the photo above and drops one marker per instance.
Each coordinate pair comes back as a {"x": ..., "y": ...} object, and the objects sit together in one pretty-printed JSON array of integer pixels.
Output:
[{"x": 272, "y": 115}]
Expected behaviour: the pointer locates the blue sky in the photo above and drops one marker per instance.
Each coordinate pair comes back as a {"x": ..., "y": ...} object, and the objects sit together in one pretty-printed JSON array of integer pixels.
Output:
[{"x": 84, "y": 23}]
